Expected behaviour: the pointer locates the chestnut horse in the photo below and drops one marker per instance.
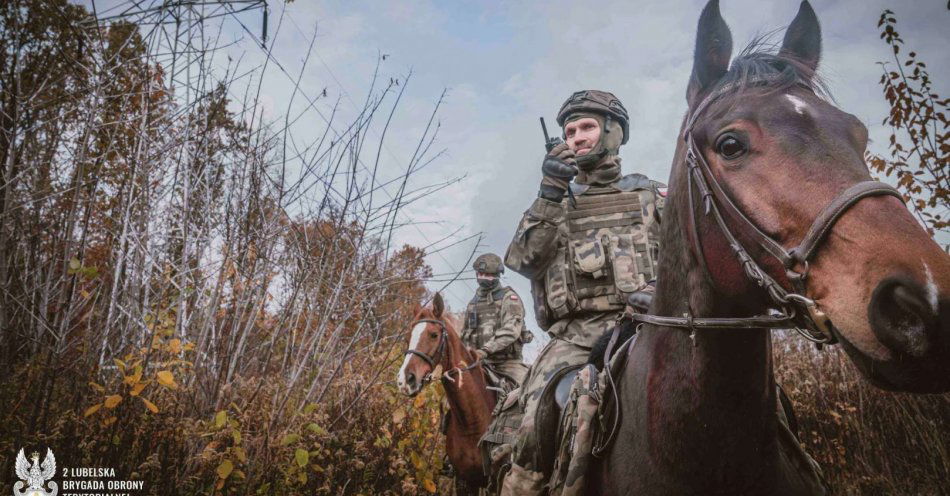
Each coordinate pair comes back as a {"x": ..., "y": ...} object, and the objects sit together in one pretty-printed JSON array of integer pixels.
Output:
[
  {"x": 434, "y": 342},
  {"x": 763, "y": 164}
]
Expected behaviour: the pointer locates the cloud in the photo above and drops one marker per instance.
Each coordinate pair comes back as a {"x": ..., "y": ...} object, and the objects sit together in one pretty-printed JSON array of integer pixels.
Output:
[{"x": 507, "y": 64}]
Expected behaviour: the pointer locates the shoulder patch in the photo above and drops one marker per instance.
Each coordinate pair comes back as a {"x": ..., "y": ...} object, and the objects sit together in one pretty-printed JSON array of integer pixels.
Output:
[
  {"x": 661, "y": 190},
  {"x": 513, "y": 296}
]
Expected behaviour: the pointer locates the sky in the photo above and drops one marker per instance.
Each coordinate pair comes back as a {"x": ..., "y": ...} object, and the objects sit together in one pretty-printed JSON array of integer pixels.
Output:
[{"x": 504, "y": 64}]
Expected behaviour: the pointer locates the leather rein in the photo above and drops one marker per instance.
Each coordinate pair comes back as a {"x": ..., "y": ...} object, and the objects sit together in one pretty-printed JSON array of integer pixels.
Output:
[
  {"x": 795, "y": 310},
  {"x": 436, "y": 358}
]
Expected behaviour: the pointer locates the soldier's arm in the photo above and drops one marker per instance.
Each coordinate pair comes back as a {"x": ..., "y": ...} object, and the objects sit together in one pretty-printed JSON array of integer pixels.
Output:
[
  {"x": 535, "y": 241},
  {"x": 509, "y": 329}
]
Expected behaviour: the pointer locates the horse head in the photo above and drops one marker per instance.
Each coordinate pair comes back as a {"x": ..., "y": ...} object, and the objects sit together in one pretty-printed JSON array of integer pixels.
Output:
[
  {"x": 427, "y": 347},
  {"x": 792, "y": 164}
]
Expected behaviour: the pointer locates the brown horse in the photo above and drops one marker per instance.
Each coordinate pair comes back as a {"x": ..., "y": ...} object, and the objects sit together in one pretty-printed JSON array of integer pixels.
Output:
[
  {"x": 765, "y": 163},
  {"x": 434, "y": 342}
]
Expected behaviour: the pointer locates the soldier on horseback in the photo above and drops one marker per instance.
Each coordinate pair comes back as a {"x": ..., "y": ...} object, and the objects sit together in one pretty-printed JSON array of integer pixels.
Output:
[
  {"x": 494, "y": 323},
  {"x": 588, "y": 243}
]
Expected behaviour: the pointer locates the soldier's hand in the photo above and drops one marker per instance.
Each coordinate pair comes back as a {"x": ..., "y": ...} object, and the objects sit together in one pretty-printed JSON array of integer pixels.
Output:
[
  {"x": 560, "y": 163},
  {"x": 640, "y": 300},
  {"x": 558, "y": 169},
  {"x": 480, "y": 354}
]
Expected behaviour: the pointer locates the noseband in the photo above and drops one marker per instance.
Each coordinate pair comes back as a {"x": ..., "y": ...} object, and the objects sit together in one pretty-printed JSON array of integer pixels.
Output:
[{"x": 795, "y": 310}]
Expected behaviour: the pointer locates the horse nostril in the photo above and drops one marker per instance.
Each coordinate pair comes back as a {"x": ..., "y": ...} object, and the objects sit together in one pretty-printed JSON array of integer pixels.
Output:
[
  {"x": 410, "y": 379},
  {"x": 902, "y": 318}
]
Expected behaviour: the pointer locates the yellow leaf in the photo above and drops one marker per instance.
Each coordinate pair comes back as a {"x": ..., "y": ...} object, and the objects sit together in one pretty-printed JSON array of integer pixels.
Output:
[
  {"x": 165, "y": 378},
  {"x": 316, "y": 429},
  {"x": 93, "y": 409},
  {"x": 236, "y": 434},
  {"x": 151, "y": 406},
  {"x": 302, "y": 457},
  {"x": 220, "y": 418},
  {"x": 120, "y": 364},
  {"x": 224, "y": 470},
  {"x": 174, "y": 346},
  {"x": 289, "y": 439},
  {"x": 429, "y": 485},
  {"x": 109, "y": 421},
  {"x": 420, "y": 401},
  {"x": 240, "y": 454},
  {"x": 97, "y": 387},
  {"x": 136, "y": 389},
  {"x": 74, "y": 264},
  {"x": 112, "y": 401}
]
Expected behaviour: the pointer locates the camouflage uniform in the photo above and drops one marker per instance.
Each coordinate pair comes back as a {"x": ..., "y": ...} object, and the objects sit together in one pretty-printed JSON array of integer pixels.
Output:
[
  {"x": 494, "y": 323},
  {"x": 583, "y": 261}
]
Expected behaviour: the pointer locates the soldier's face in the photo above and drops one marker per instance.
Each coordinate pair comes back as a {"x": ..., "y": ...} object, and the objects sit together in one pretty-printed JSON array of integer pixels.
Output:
[
  {"x": 486, "y": 280},
  {"x": 582, "y": 135}
]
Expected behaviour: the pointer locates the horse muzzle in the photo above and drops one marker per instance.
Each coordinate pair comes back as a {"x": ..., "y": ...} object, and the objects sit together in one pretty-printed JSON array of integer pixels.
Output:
[{"x": 913, "y": 322}]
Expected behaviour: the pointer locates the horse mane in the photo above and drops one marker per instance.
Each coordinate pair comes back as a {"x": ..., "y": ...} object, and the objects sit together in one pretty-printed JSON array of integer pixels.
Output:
[{"x": 762, "y": 58}]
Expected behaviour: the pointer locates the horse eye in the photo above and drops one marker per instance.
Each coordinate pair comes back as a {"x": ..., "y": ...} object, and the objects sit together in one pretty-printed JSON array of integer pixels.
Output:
[
  {"x": 730, "y": 147},
  {"x": 433, "y": 335}
]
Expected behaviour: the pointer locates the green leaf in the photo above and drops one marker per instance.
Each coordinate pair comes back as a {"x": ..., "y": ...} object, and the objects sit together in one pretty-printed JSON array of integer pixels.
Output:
[
  {"x": 236, "y": 434},
  {"x": 302, "y": 457}
]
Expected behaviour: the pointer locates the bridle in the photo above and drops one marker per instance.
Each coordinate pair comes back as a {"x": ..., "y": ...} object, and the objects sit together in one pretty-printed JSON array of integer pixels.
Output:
[
  {"x": 794, "y": 309},
  {"x": 439, "y": 351},
  {"x": 436, "y": 358}
]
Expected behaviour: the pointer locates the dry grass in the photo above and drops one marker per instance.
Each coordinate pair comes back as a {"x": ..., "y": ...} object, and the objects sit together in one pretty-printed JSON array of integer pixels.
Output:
[{"x": 868, "y": 441}]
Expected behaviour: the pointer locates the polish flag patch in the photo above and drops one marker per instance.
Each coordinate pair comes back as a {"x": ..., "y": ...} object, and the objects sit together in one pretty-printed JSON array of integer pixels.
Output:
[
  {"x": 514, "y": 297},
  {"x": 662, "y": 192}
]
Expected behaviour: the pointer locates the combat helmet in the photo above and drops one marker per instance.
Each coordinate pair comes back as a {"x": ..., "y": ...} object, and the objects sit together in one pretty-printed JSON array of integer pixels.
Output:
[
  {"x": 598, "y": 102},
  {"x": 489, "y": 263}
]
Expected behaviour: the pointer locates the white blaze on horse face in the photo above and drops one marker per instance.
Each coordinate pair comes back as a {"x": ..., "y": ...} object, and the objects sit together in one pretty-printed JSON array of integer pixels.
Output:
[
  {"x": 413, "y": 343},
  {"x": 931, "y": 289},
  {"x": 799, "y": 105}
]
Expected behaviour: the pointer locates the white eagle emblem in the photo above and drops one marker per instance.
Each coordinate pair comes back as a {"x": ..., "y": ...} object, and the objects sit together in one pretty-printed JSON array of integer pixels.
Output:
[{"x": 35, "y": 474}]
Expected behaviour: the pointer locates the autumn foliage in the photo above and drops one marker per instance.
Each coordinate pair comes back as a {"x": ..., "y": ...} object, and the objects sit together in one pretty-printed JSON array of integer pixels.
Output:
[
  {"x": 918, "y": 154},
  {"x": 183, "y": 298}
]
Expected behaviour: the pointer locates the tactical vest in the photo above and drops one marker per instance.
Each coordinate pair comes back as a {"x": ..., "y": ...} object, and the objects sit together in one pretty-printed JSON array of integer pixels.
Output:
[
  {"x": 608, "y": 249},
  {"x": 483, "y": 316}
]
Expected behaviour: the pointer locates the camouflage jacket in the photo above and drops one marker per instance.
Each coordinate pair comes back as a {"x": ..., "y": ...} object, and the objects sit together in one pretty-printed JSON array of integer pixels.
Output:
[
  {"x": 494, "y": 322},
  {"x": 584, "y": 259}
]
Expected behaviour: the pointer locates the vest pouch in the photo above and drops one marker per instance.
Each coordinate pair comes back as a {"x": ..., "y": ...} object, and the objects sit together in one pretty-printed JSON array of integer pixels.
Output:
[
  {"x": 589, "y": 257},
  {"x": 558, "y": 285},
  {"x": 623, "y": 262}
]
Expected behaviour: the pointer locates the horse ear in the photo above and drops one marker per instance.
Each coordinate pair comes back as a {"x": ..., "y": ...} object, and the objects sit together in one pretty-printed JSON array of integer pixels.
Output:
[
  {"x": 438, "y": 305},
  {"x": 803, "y": 37},
  {"x": 713, "y": 50}
]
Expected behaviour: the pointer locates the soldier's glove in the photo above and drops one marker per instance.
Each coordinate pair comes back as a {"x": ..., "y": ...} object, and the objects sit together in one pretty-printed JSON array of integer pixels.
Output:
[
  {"x": 640, "y": 300},
  {"x": 558, "y": 169},
  {"x": 480, "y": 354}
]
